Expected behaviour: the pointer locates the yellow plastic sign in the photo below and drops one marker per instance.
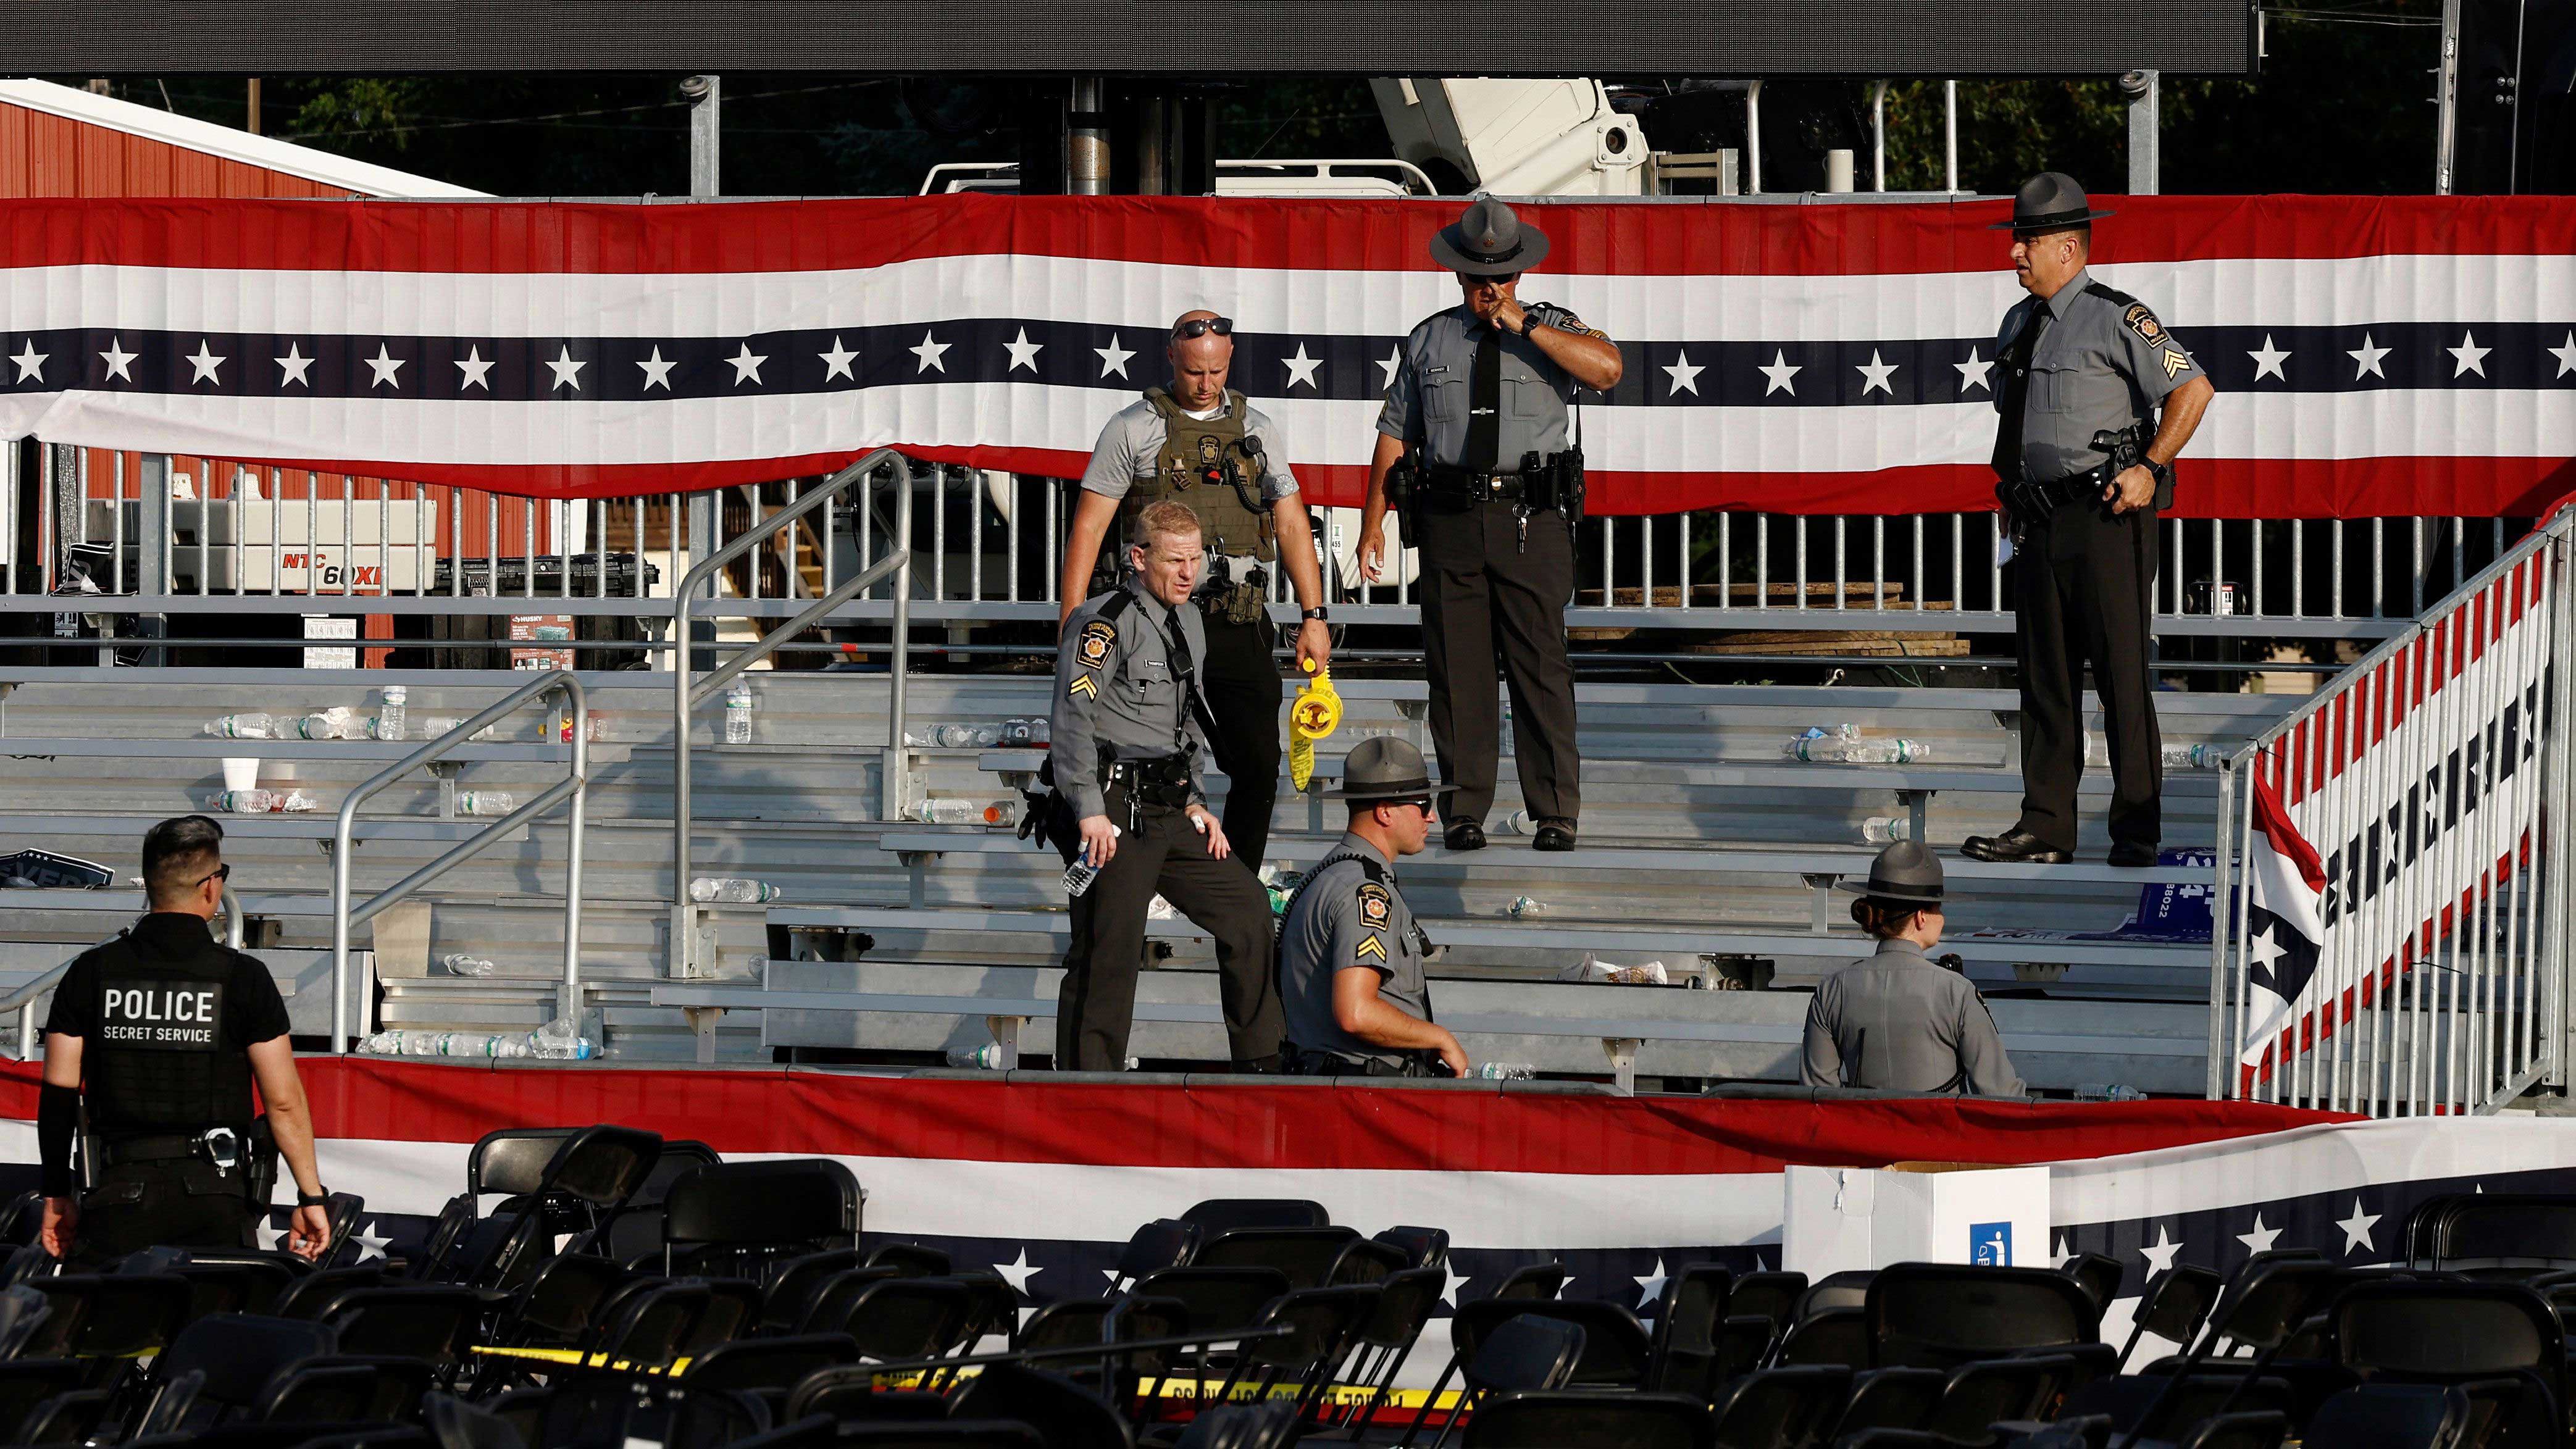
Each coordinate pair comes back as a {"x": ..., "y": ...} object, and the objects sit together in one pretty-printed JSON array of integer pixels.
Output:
[{"x": 1316, "y": 714}]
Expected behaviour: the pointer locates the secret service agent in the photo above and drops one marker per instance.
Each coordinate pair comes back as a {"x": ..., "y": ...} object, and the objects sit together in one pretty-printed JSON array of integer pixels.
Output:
[
  {"x": 161, "y": 1033},
  {"x": 1476, "y": 437},
  {"x": 1900, "y": 1020},
  {"x": 1129, "y": 722},
  {"x": 1202, "y": 444},
  {"x": 2083, "y": 463},
  {"x": 1350, "y": 953}
]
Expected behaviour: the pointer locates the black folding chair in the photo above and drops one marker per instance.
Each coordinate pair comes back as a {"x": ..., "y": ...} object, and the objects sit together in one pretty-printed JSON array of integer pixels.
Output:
[
  {"x": 1366, "y": 1260},
  {"x": 754, "y": 1365},
  {"x": 2496, "y": 1340},
  {"x": 634, "y": 1233},
  {"x": 2241, "y": 1431},
  {"x": 1687, "y": 1314},
  {"x": 1160, "y": 1244},
  {"x": 2176, "y": 1303},
  {"x": 1781, "y": 1408},
  {"x": 2100, "y": 1274},
  {"x": 1577, "y": 1419},
  {"x": 904, "y": 1318},
  {"x": 1617, "y": 1350},
  {"x": 1226, "y": 1214},
  {"x": 1827, "y": 1336},
  {"x": 1523, "y": 1353},
  {"x": 217, "y": 1367},
  {"x": 109, "y": 1315},
  {"x": 734, "y": 1219},
  {"x": 435, "y": 1325},
  {"x": 2157, "y": 1407},
  {"x": 2497, "y": 1235},
  {"x": 1305, "y": 1255},
  {"x": 1071, "y": 1417},
  {"x": 1386, "y": 1337},
  {"x": 1979, "y": 1394},
  {"x": 1321, "y": 1324},
  {"x": 910, "y": 1260},
  {"x": 1888, "y": 1398},
  {"x": 1422, "y": 1247},
  {"x": 792, "y": 1284},
  {"x": 346, "y": 1388},
  {"x": 311, "y": 1295},
  {"x": 1773, "y": 1295},
  {"x": 1846, "y": 1289},
  {"x": 1943, "y": 1315},
  {"x": 2391, "y": 1416}
]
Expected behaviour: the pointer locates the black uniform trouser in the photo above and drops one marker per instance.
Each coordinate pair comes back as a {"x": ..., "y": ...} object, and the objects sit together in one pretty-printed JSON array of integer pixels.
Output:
[
  {"x": 1241, "y": 682},
  {"x": 1162, "y": 854},
  {"x": 2083, "y": 592},
  {"x": 177, "y": 1204},
  {"x": 1487, "y": 593}
]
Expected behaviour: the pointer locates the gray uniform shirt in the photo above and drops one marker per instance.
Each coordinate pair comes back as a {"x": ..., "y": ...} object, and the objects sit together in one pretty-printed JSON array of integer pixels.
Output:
[
  {"x": 1427, "y": 403},
  {"x": 2104, "y": 362},
  {"x": 1343, "y": 920},
  {"x": 1901, "y": 1021},
  {"x": 1115, "y": 685}
]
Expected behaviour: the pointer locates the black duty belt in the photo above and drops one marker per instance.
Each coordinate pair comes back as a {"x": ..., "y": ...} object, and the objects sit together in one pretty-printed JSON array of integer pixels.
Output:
[
  {"x": 1316, "y": 1062},
  {"x": 1162, "y": 780},
  {"x": 2031, "y": 500},
  {"x": 1483, "y": 487},
  {"x": 220, "y": 1146}
]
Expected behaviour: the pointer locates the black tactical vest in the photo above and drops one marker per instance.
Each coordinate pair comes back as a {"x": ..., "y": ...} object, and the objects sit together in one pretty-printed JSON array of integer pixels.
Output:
[
  {"x": 1203, "y": 466},
  {"x": 158, "y": 1058}
]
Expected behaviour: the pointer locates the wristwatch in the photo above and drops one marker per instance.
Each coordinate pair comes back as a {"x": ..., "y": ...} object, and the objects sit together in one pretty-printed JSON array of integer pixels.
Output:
[
  {"x": 313, "y": 1199},
  {"x": 1319, "y": 614}
]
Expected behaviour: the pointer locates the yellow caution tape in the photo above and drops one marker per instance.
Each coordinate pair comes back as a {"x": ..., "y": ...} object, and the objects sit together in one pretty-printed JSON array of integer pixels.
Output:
[{"x": 1316, "y": 714}]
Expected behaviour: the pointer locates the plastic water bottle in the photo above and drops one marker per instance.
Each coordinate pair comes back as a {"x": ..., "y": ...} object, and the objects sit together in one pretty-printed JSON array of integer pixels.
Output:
[
  {"x": 1030, "y": 733},
  {"x": 732, "y": 891},
  {"x": 561, "y": 1041},
  {"x": 460, "y": 964},
  {"x": 970, "y": 737},
  {"x": 1506, "y": 1071},
  {"x": 1887, "y": 829},
  {"x": 1526, "y": 907},
  {"x": 486, "y": 802},
  {"x": 1818, "y": 745},
  {"x": 738, "y": 715},
  {"x": 1887, "y": 752},
  {"x": 922, "y": 738},
  {"x": 339, "y": 722},
  {"x": 395, "y": 714},
  {"x": 1507, "y": 747},
  {"x": 951, "y": 812},
  {"x": 243, "y": 727},
  {"x": 1079, "y": 875},
  {"x": 243, "y": 802},
  {"x": 296, "y": 802},
  {"x": 1519, "y": 822},
  {"x": 985, "y": 1058},
  {"x": 436, "y": 727},
  {"x": 2193, "y": 757},
  {"x": 1158, "y": 909}
]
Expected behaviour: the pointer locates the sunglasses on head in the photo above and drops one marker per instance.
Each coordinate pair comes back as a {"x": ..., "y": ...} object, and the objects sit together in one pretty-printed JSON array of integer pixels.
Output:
[
  {"x": 1504, "y": 280},
  {"x": 1202, "y": 326}
]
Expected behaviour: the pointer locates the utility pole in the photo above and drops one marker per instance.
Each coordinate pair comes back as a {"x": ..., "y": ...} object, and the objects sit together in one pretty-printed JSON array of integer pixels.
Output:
[
  {"x": 254, "y": 105},
  {"x": 2143, "y": 91},
  {"x": 706, "y": 97}
]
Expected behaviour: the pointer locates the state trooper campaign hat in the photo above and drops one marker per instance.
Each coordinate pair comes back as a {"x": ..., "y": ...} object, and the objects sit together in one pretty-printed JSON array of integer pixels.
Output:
[
  {"x": 2050, "y": 201},
  {"x": 1904, "y": 874},
  {"x": 1381, "y": 768},
  {"x": 1488, "y": 241}
]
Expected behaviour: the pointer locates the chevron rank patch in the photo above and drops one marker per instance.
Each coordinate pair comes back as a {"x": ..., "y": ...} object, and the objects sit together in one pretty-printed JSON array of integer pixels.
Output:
[
  {"x": 1372, "y": 949},
  {"x": 1083, "y": 686},
  {"x": 1093, "y": 650},
  {"x": 2144, "y": 323},
  {"x": 2174, "y": 361},
  {"x": 1374, "y": 904}
]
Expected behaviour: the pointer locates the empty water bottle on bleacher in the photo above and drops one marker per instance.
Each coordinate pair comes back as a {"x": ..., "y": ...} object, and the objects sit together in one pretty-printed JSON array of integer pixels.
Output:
[
  {"x": 732, "y": 891},
  {"x": 2194, "y": 757},
  {"x": 970, "y": 737},
  {"x": 339, "y": 722},
  {"x": 962, "y": 812},
  {"x": 244, "y": 727},
  {"x": 486, "y": 802},
  {"x": 560, "y": 1040},
  {"x": 738, "y": 715},
  {"x": 1519, "y": 822},
  {"x": 1887, "y": 829},
  {"x": 1818, "y": 745},
  {"x": 460, "y": 964},
  {"x": 243, "y": 802},
  {"x": 985, "y": 1058},
  {"x": 1886, "y": 752},
  {"x": 395, "y": 714}
]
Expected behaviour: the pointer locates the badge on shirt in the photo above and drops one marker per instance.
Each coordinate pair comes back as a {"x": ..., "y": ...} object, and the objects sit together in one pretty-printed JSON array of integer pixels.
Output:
[
  {"x": 2144, "y": 323},
  {"x": 177, "y": 1016},
  {"x": 1093, "y": 649},
  {"x": 1372, "y": 949},
  {"x": 1375, "y": 905}
]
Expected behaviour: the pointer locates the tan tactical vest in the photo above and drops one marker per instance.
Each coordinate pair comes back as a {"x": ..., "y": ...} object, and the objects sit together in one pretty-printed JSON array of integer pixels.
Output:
[{"x": 1193, "y": 468}]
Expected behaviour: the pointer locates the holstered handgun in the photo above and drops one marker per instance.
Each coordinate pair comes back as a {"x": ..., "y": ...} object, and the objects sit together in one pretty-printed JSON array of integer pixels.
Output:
[
  {"x": 1403, "y": 481},
  {"x": 2127, "y": 448},
  {"x": 262, "y": 1154}
]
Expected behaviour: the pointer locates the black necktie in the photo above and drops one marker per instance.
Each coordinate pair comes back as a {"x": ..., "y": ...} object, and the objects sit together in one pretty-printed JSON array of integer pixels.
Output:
[
  {"x": 2016, "y": 363},
  {"x": 1485, "y": 403},
  {"x": 1185, "y": 672}
]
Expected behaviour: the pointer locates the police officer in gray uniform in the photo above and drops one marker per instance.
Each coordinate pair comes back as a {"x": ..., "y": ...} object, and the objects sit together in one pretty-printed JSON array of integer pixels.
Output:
[
  {"x": 1130, "y": 719},
  {"x": 1900, "y": 1020},
  {"x": 2084, "y": 462},
  {"x": 1476, "y": 445},
  {"x": 1350, "y": 954},
  {"x": 1203, "y": 444}
]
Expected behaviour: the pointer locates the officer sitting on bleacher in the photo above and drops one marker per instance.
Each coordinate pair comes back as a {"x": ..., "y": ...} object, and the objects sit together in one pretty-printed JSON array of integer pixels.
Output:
[
  {"x": 1900, "y": 1020},
  {"x": 1350, "y": 955}
]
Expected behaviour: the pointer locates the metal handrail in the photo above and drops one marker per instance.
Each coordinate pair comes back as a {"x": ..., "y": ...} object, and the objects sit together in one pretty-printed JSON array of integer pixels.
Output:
[
  {"x": 688, "y": 692},
  {"x": 23, "y": 1000},
  {"x": 576, "y": 784}
]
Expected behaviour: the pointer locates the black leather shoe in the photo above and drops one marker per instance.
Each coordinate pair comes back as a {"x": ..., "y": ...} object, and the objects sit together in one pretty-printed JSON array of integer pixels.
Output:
[
  {"x": 2014, "y": 846},
  {"x": 2133, "y": 855},
  {"x": 1465, "y": 835},
  {"x": 1554, "y": 835}
]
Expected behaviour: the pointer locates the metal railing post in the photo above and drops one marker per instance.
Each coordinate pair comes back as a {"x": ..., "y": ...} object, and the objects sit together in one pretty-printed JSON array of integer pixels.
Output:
[
  {"x": 580, "y": 702},
  {"x": 897, "y": 770}
]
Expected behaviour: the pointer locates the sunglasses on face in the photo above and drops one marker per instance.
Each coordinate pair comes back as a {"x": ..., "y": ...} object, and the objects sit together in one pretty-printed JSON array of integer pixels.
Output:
[
  {"x": 1505, "y": 280},
  {"x": 1423, "y": 805},
  {"x": 1202, "y": 326},
  {"x": 222, "y": 872}
]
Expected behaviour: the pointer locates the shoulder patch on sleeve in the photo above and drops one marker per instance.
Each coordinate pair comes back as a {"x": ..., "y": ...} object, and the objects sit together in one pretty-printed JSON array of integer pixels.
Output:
[
  {"x": 2173, "y": 361},
  {"x": 2143, "y": 322},
  {"x": 1375, "y": 905},
  {"x": 1091, "y": 651},
  {"x": 1084, "y": 686},
  {"x": 1372, "y": 949}
]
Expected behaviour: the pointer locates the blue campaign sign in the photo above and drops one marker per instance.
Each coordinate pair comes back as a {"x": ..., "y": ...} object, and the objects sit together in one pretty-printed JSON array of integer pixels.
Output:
[{"x": 1990, "y": 1245}]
